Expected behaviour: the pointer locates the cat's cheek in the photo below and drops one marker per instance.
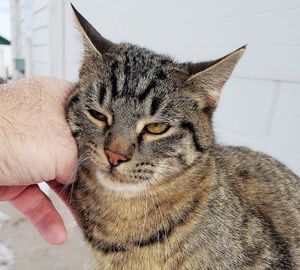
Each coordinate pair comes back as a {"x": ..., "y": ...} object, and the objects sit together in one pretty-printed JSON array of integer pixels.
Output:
[{"x": 167, "y": 169}]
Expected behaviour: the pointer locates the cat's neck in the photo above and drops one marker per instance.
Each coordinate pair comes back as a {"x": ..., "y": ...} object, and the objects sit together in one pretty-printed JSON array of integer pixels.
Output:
[
  {"x": 164, "y": 206},
  {"x": 195, "y": 182}
]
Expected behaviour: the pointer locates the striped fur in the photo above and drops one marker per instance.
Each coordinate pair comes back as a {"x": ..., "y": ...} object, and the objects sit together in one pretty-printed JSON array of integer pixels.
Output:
[{"x": 180, "y": 201}]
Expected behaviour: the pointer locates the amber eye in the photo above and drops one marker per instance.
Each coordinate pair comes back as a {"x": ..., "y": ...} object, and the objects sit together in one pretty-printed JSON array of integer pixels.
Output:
[
  {"x": 157, "y": 128},
  {"x": 97, "y": 115}
]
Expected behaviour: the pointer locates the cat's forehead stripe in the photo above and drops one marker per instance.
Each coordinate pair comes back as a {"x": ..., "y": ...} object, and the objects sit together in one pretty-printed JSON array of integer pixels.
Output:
[
  {"x": 147, "y": 91},
  {"x": 114, "y": 79},
  {"x": 126, "y": 73},
  {"x": 102, "y": 94},
  {"x": 133, "y": 70},
  {"x": 155, "y": 105}
]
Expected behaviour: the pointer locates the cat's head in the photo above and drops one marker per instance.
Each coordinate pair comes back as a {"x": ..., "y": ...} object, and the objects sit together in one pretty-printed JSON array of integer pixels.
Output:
[{"x": 138, "y": 117}]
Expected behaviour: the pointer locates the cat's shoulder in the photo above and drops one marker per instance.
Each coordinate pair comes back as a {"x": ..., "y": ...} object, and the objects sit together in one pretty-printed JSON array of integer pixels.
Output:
[
  {"x": 244, "y": 162},
  {"x": 237, "y": 154}
]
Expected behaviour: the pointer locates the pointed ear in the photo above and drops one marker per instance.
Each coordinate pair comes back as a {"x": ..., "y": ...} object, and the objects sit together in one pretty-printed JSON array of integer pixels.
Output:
[
  {"x": 211, "y": 76},
  {"x": 91, "y": 37}
]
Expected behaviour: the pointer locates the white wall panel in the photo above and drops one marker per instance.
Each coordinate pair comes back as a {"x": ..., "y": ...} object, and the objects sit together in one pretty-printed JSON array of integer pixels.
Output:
[
  {"x": 41, "y": 35},
  {"x": 41, "y": 17},
  {"x": 40, "y": 53},
  {"x": 38, "y": 5}
]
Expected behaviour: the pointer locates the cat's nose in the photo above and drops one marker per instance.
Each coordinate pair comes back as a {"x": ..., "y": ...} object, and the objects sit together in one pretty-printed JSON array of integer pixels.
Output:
[{"x": 115, "y": 158}]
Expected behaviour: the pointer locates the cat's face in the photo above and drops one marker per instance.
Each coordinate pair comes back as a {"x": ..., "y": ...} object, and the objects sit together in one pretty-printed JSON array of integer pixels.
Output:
[
  {"x": 137, "y": 106},
  {"x": 138, "y": 117}
]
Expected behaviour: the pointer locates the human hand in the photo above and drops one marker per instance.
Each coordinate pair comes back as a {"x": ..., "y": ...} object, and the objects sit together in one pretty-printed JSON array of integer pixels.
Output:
[{"x": 35, "y": 145}]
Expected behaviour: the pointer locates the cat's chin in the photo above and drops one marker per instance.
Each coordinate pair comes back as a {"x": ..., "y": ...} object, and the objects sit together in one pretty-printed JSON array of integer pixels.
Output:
[{"x": 115, "y": 183}]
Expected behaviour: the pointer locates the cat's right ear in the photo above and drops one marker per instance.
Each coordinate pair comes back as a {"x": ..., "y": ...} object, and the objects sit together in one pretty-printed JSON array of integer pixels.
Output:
[{"x": 93, "y": 40}]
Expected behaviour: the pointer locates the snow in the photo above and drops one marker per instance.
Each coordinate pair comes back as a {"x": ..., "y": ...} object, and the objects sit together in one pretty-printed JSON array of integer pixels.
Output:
[
  {"x": 3, "y": 219},
  {"x": 6, "y": 255},
  {"x": 6, "y": 258}
]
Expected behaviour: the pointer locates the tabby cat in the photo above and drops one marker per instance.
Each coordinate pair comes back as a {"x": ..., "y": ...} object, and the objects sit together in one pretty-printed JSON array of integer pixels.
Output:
[{"x": 154, "y": 190}]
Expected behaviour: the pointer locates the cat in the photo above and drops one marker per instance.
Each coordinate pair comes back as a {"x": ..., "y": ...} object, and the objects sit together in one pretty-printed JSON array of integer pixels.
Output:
[{"x": 154, "y": 190}]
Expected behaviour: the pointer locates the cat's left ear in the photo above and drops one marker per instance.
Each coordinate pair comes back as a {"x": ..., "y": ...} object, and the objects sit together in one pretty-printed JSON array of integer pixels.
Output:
[
  {"x": 92, "y": 39},
  {"x": 210, "y": 77}
]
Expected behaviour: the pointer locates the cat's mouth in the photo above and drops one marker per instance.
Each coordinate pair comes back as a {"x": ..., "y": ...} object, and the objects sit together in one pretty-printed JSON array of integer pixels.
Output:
[
  {"x": 115, "y": 176},
  {"x": 115, "y": 181},
  {"x": 113, "y": 170}
]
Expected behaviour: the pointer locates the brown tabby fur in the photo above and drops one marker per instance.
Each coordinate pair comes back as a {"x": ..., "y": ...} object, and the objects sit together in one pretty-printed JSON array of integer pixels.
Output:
[{"x": 217, "y": 207}]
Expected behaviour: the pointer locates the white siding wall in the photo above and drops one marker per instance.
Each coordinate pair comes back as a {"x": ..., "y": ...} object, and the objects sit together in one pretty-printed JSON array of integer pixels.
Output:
[
  {"x": 5, "y": 61},
  {"x": 16, "y": 31},
  {"x": 260, "y": 105},
  {"x": 38, "y": 35},
  {"x": 48, "y": 37}
]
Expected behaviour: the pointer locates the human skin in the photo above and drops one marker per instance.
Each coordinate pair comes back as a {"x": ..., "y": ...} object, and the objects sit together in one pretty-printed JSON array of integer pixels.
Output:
[{"x": 36, "y": 145}]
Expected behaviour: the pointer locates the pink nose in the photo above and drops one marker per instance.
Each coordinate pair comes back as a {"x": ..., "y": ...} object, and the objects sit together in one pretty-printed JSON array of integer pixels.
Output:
[{"x": 114, "y": 158}]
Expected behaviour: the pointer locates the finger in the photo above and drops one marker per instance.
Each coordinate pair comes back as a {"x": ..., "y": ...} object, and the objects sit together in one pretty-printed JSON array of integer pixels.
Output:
[
  {"x": 66, "y": 172},
  {"x": 38, "y": 208},
  {"x": 61, "y": 87},
  {"x": 9, "y": 193},
  {"x": 65, "y": 194},
  {"x": 61, "y": 190},
  {"x": 67, "y": 156},
  {"x": 66, "y": 88}
]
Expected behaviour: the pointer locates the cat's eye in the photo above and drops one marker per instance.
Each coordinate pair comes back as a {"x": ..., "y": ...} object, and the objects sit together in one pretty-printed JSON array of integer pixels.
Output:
[
  {"x": 97, "y": 115},
  {"x": 156, "y": 128}
]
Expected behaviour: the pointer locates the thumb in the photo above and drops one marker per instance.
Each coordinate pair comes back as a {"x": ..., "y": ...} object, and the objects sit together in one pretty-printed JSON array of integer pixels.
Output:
[{"x": 39, "y": 210}]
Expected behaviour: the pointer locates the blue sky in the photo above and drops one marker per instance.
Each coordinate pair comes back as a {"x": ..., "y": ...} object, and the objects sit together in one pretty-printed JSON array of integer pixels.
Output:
[{"x": 5, "y": 18}]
